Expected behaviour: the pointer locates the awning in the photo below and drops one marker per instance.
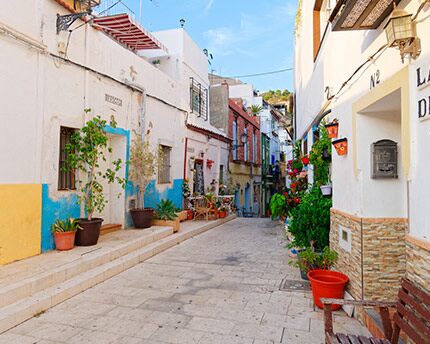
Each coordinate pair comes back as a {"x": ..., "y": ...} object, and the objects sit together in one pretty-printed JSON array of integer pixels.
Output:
[{"x": 125, "y": 30}]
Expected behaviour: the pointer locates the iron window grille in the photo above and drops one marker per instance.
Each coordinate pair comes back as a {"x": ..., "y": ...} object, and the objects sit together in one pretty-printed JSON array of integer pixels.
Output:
[
  {"x": 66, "y": 178},
  {"x": 164, "y": 170},
  {"x": 198, "y": 99}
]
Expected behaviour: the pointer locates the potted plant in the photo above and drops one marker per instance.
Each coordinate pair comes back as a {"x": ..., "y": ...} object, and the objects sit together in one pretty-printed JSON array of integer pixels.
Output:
[
  {"x": 144, "y": 163},
  {"x": 332, "y": 129},
  {"x": 222, "y": 211},
  {"x": 166, "y": 215},
  {"x": 310, "y": 259},
  {"x": 341, "y": 146},
  {"x": 318, "y": 158},
  {"x": 64, "y": 233},
  {"x": 87, "y": 148},
  {"x": 310, "y": 221},
  {"x": 190, "y": 214}
]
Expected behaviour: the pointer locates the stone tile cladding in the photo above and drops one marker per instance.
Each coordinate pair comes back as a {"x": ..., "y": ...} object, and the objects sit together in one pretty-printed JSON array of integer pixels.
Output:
[
  {"x": 384, "y": 257},
  {"x": 377, "y": 260},
  {"x": 418, "y": 264},
  {"x": 348, "y": 263}
]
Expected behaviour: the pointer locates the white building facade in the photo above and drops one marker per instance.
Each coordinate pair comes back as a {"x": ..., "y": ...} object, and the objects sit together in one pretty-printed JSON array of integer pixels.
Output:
[
  {"x": 380, "y": 223},
  {"x": 48, "y": 79}
]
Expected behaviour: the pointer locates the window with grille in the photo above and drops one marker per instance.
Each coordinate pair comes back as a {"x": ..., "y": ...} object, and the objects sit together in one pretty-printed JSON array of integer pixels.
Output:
[
  {"x": 245, "y": 146},
  {"x": 198, "y": 99},
  {"x": 66, "y": 178},
  {"x": 235, "y": 139},
  {"x": 164, "y": 170}
]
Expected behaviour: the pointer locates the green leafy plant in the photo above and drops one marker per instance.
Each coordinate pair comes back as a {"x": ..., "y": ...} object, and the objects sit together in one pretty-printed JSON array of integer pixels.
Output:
[
  {"x": 87, "y": 148},
  {"x": 277, "y": 204},
  {"x": 310, "y": 220},
  {"x": 316, "y": 157},
  {"x": 308, "y": 259},
  {"x": 69, "y": 225},
  {"x": 256, "y": 109},
  {"x": 166, "y": 210}
]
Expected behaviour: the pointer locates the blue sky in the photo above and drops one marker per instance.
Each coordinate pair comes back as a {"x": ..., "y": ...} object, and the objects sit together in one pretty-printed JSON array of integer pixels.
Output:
[{"x": 244, "y": 36}]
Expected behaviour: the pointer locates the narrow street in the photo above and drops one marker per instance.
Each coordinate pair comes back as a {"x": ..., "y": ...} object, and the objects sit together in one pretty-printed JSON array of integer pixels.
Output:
[{"x": 219, "y": 287}]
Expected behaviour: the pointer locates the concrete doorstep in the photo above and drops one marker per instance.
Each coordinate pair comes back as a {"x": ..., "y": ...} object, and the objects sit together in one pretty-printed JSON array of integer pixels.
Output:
[{"x": 32, "y": 286}]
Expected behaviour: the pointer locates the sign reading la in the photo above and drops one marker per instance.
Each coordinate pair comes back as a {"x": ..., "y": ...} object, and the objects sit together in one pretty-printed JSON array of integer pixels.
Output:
[{"x": 423, "y": 81}]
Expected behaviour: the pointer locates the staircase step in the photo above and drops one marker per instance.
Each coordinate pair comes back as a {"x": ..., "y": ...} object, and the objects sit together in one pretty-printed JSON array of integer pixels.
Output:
[
  {"x": 109, "y": 228},
  {"x": 34, "y": 300},
  {"x": 87, "y": 261}
]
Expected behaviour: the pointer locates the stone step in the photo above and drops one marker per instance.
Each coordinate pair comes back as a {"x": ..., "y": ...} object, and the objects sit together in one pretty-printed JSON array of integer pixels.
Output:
[
  {"x": 90, "y": 258},
  {"x": 28, "y": 306}
]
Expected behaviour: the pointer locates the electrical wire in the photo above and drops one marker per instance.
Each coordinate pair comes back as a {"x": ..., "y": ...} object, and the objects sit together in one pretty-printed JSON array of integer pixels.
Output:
[{"x": 258, "y": 74}]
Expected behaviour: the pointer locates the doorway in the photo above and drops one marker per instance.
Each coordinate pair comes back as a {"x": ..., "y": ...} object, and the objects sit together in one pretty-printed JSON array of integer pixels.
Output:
[{"x": 199, "y": 181}]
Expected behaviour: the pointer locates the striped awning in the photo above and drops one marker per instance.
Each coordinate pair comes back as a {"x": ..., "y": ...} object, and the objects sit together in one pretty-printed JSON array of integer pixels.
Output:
[{"x": 125, "y": 30}]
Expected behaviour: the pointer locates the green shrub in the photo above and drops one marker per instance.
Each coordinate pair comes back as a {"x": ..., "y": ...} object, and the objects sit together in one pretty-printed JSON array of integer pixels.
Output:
[
  {"x": 166, "y": 210},
  {"x": 69, "y": 225},
  {"x": 310, "y": 220}
]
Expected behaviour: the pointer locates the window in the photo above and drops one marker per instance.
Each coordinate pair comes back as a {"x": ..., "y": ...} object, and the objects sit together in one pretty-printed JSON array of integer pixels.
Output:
[
  {"x": 164, "y": 170},
  {"x": 245, "y": 146},
  {"x": 221, "y": 174},
  {"x": 66, "y": 179},
  {"x": 254, "y": 147},
  {"x": 198, "y": 99},
  {"x": 235, "y": 139}
]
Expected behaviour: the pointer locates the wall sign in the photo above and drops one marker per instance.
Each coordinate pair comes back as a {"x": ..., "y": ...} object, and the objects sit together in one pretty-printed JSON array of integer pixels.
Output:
[
  {"x": 375, "y": 79},
  {"x": 423, "y": 81},
  {"x": 113, "y": 100},
  {"x": 384, "y": 159}
]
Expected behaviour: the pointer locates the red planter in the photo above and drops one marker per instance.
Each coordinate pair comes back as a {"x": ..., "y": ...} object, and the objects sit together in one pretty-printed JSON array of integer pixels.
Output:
[
  {"x": 190, "y": 214},
  {"x": 64, "y": 240},
  {"x": 222, "y": 214},
  {"x": 327, "y": 284},
  {"x": 341, "y": 146},
  {"x": 332, "y": 129}
]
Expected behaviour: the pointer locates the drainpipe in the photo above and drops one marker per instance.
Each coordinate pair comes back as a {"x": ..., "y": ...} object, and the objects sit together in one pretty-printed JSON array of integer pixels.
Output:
[{"x": 185, "y": 157}]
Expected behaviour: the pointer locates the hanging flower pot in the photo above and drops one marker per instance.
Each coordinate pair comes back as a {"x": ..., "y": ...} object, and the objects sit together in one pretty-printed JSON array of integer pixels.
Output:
[
  {"x": 341, "y": 146},
  {"x": 325, "y": 190},
  {"x": 332, "y": 129}
]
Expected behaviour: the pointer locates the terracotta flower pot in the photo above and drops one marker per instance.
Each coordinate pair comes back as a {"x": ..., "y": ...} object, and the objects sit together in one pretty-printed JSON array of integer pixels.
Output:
[
  {"x": 142, "y": 218},
  {"x": 90, "y": 232},
  {"x": 64, "y": 240},
  {"x": 222, "y": 214},
  {"x": 341, "y": 146},
  {"x": 332, "y": 130},
  {"x": 190, "y": 214},
  {"x": 327, "y": 284}
]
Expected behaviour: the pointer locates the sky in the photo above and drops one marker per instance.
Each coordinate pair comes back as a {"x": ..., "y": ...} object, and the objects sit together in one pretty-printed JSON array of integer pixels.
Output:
[{"x": 244, "y": 36}]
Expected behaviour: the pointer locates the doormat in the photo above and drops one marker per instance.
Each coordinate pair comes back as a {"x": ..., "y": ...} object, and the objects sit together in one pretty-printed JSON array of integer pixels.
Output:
[{"x": 294, "y": 285}]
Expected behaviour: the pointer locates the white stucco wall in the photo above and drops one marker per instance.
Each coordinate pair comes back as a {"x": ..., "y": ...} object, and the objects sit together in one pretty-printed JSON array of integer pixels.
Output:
[{"x": 340, "y": 54}]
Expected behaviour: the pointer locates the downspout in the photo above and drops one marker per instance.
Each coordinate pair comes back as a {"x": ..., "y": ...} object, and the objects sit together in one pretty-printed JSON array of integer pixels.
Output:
[{"x": 185, "y": 157}]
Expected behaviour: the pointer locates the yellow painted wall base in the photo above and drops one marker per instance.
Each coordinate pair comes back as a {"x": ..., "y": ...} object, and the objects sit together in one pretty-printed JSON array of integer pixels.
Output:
[{"x": 20, "y": 221}]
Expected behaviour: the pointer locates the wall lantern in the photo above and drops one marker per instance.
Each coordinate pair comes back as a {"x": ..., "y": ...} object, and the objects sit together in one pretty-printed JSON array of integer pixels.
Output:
[
  {"x": 243, "y": 140},
  {"x": 400, "y": 31}
]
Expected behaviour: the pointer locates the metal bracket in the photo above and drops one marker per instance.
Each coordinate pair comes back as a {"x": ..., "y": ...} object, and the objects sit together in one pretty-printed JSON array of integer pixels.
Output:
[{"x": 65, "y": 21}]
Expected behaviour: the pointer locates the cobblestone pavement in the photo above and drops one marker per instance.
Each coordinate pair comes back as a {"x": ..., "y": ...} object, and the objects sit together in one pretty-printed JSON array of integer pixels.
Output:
[{"x": 220, "y": 287}]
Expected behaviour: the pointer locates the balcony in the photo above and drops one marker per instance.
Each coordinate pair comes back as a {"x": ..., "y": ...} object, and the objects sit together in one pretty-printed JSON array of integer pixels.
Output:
[{"x": 360, "y": 14}]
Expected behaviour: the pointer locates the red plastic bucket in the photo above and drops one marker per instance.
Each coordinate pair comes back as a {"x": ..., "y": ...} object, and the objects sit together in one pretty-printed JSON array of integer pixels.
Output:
[{"x": 327, "y": 284}]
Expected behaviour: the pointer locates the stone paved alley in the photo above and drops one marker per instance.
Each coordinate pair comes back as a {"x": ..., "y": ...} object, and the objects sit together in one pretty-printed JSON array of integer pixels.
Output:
[{"x": 219, "y": 287}]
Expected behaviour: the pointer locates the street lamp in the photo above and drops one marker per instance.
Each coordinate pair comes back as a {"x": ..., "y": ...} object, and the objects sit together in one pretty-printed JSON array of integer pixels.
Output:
[
  {"x": 400, "y": 31},
  {"x": 182, "y": 22},
  {"x": 243, "y": 140}
]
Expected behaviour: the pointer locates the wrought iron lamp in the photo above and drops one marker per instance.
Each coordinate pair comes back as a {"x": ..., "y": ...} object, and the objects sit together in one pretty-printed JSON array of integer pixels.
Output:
[
  {"x": 243, "y": 140},
  {"x": 182, "y": 22},
  {"x": 65, "y": 21},
  {"x": 401, "y": 33}
]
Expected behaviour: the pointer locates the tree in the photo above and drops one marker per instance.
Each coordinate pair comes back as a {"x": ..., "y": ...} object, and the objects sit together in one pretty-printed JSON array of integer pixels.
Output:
[
  {"x": 86, "y": 149},
  {"x": 144, "y": 164},
  {"x": 256, "y": 109}
]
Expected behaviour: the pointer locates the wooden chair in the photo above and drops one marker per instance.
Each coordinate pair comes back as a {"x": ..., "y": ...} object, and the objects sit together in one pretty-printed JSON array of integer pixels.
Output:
[
  {"x": 412, "y": 317},
  {"x": 202, "y": 208}
]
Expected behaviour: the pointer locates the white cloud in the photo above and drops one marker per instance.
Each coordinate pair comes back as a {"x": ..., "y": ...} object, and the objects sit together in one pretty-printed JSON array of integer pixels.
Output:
[{"x": 208, "y": 6}]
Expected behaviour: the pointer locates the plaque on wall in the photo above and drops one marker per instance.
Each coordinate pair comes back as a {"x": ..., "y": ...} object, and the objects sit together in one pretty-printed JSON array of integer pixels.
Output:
[{"x": 384, "y": 159}]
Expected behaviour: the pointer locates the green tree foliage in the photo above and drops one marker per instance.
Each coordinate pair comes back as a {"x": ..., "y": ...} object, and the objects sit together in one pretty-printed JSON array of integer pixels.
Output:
[
  {"x": 310, "y": 220},
  {"x": 318, "y": 160},
  {"x": 275, "y": 96},
  {"x": 87, "y": 148}
]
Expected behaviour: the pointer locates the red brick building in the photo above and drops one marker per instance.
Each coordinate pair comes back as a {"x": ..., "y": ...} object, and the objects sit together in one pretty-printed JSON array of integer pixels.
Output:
[{"x": 245, "y": 158}]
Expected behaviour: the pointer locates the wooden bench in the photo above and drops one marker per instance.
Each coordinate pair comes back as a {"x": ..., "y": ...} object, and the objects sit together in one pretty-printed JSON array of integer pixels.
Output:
[{"x": 412, "y": 317}]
